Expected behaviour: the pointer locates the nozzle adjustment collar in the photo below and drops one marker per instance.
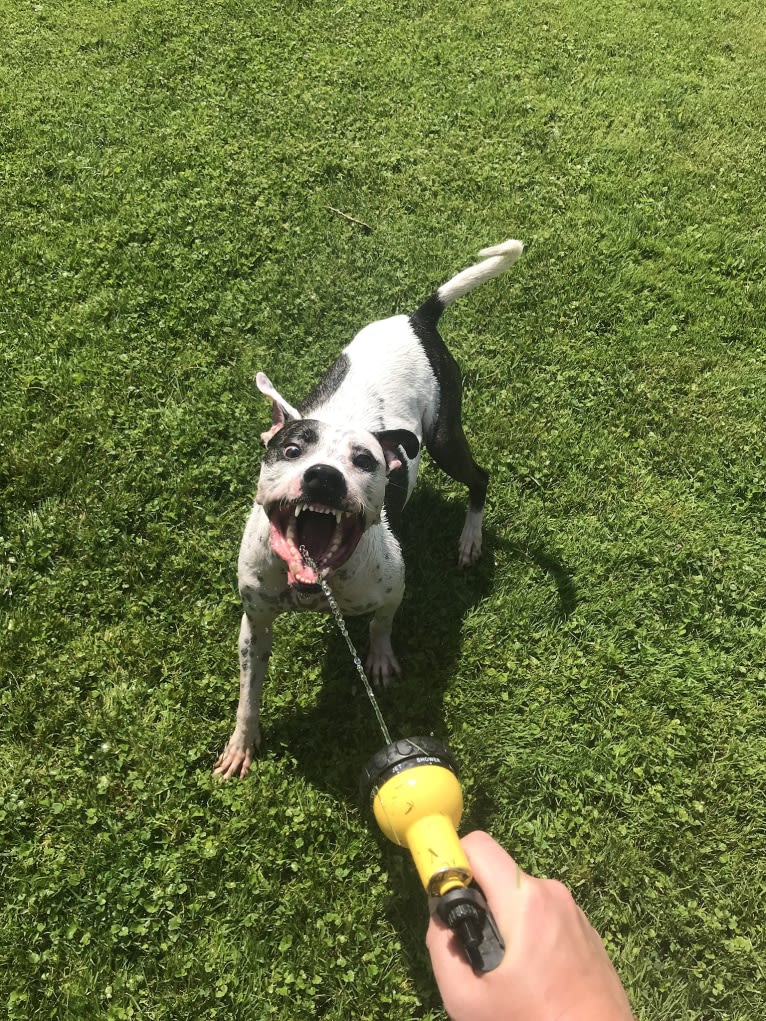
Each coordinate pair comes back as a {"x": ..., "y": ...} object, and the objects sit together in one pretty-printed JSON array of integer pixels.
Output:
[{"x": 400, "y": 755}]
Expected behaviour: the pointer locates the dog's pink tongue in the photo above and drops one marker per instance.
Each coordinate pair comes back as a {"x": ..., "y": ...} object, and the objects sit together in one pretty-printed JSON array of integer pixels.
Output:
[
  {"x": 288, "y": 550},
  {"x": 297, "y": 571}
]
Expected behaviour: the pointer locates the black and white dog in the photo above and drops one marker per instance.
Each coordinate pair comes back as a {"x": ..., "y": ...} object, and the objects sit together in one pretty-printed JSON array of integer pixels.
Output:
[{"x": 335, "y": 469}]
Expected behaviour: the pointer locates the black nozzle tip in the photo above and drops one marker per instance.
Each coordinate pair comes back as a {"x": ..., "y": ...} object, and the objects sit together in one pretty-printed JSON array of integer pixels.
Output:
[
  {"x": 467, "y": 921},
  {"x": 400, "y": 755},
  {"x": 465, "y": 911}
]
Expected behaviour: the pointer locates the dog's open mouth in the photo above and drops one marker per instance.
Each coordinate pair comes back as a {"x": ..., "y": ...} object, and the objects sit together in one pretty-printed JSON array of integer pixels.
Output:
[{"x": 329, "y": 536}]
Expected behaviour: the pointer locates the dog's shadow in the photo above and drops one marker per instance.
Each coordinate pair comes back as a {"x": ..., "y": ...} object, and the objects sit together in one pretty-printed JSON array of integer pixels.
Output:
[{"x": 332, "y": 740}]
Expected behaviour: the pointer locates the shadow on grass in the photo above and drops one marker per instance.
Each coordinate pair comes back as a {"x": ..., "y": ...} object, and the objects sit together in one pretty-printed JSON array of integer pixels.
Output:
[
  {"x": 548, "y": 564},
  {"x": 332, "y": 740}
]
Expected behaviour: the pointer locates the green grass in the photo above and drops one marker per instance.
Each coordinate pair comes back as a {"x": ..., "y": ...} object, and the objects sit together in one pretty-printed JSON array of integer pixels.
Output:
[{"x": 166, "y": 171}]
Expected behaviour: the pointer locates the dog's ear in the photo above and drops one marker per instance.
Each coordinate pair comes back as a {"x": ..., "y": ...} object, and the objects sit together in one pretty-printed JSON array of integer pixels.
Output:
[
  {"x": 281, "y": 410},
  {"x": 391, "y": 440}
]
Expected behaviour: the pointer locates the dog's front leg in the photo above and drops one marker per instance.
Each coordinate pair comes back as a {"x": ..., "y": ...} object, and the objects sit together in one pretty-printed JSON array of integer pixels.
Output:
[
  {"x": 254, "y": 651},
  {"x": 382, "y": 665}
]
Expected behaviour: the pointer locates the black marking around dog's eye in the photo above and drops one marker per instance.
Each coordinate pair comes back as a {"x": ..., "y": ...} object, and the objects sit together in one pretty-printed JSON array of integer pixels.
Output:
[
  {"x": 300, "y": 433},
  {"x": 303, "y": 432},
  {"x": 363, "y": 459}
]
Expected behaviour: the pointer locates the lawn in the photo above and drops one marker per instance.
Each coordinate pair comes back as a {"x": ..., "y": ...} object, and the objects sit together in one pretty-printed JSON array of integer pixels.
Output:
[{"x": 171, "y": 175}]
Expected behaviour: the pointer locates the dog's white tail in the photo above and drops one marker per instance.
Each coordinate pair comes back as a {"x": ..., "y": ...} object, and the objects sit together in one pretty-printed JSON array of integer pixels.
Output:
[{"x": 497, "y": 260}]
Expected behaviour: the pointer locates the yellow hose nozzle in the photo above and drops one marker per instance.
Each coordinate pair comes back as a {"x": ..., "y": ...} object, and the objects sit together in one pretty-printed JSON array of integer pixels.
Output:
[
  {"x": 420, "y": 809},
  {"x": 418, "y": 803}
]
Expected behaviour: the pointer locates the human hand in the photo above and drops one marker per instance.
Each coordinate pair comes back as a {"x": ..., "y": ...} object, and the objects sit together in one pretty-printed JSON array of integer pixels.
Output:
[{"x": 555, "y": 966}]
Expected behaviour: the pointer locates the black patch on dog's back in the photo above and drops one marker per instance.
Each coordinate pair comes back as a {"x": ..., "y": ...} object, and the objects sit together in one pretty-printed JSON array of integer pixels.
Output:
[
  {"x": 326, "y": 386},
  {"x": 446, "y": 440},
  {"x": 423, "y": 323}
]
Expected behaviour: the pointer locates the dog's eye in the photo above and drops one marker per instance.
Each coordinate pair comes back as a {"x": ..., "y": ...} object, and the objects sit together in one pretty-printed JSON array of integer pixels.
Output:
[
  {"x": 365, "y": 462},
  {"x": 291, "y": 452}
]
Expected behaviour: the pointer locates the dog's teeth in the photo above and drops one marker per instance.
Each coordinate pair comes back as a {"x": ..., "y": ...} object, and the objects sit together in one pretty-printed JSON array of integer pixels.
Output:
[
  {"x": 338, "y": 517},
  {"x": 292, "y": 531}
]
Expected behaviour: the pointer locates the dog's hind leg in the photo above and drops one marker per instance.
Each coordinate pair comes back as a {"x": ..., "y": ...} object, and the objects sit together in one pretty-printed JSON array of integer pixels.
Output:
[
  {"x": 445, "y": 440},
  {"x": 450, "y": 450}
]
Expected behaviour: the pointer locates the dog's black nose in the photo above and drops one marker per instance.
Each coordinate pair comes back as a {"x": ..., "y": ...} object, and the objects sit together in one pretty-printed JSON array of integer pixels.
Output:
[{"x": 323, "y": 484}]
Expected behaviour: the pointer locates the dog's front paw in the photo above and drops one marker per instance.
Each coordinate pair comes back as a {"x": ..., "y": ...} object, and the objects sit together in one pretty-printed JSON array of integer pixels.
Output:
[
  {"x": 236, "y": 759},
  {"x": 382, "y": 665}
]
